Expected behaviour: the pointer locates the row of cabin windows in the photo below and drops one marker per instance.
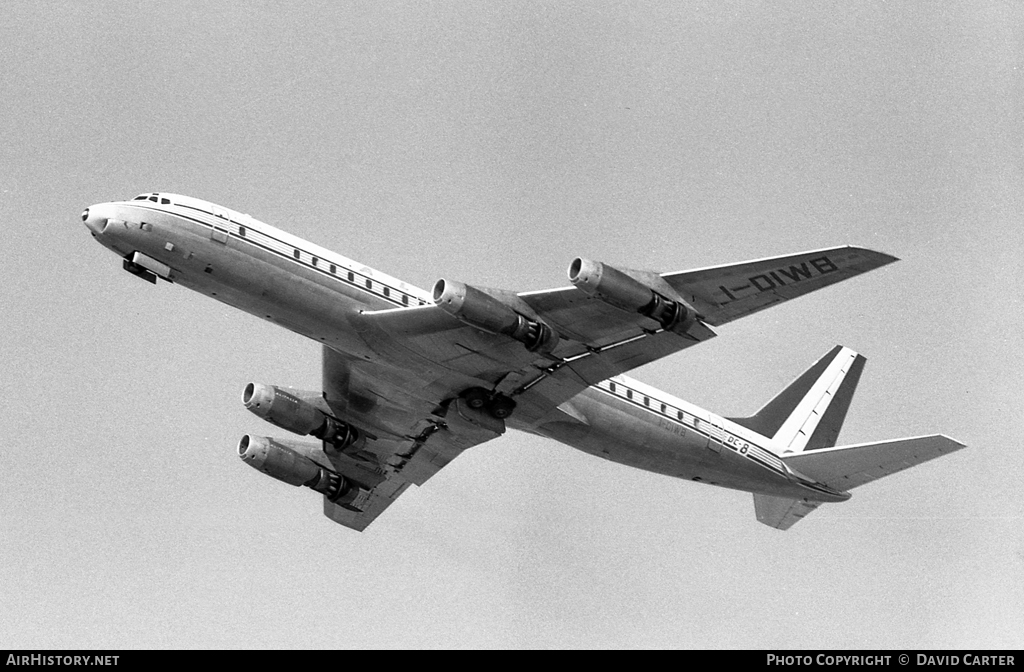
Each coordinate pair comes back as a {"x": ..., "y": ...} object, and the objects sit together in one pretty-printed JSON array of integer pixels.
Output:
[
  {"x": 647, "y": 402},
  {"x": 297, "y": 254},
  {"x": 334, "y": 270}
]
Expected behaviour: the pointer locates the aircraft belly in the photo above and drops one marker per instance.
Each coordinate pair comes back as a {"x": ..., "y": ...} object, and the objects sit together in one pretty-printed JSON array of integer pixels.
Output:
[
  {"x": 636, "y": 438},
  {"x": 621, "y": 436}
]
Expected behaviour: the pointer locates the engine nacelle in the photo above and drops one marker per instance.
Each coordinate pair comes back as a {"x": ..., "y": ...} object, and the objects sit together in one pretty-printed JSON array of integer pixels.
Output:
[
  {"x": 288, "y": 410},
  {"x": 289, "y": 461},
  {"x": 481, "y": 310},
  {"x": 614, "y": 287}
]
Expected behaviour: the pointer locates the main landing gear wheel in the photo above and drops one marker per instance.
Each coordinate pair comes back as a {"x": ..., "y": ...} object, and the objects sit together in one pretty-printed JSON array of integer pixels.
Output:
[
  {"x": 501, "y": 407},
  {"x": 476, "y": 397},
  {"x": 498, "y": 405}
]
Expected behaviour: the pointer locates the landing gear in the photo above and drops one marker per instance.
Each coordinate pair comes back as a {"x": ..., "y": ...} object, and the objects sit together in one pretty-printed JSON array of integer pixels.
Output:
[
  {"x": 138, "y": 271},
  {"x": 501, "y": 406},
  {"x": 476, "y": 397},
  {"x": 497, "y": 405}
]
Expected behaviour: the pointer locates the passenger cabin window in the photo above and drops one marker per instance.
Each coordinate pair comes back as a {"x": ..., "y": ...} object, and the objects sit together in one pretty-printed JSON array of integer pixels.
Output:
[
  {"x": 351, "y": 276},
  {"x": 241, "y": 231},
  {"x": 295, "y": 254},
  {"x": 387, "y": 291},
  {"x": 647, "y": 401},
  {"x": 334, "y": 269},
  {"x": 314, "y": 261},
  {"x": 405, "y": 299},
  {"x": 611, "y": 386},
  {"x": 369, "y": 283},
  {"x": 629, "y": 394}
]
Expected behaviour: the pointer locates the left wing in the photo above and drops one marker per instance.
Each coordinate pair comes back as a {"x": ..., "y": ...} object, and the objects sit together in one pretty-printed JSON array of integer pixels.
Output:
[
  {"x": 413, "y": 460},
  {"x": 411, "y": 430}
]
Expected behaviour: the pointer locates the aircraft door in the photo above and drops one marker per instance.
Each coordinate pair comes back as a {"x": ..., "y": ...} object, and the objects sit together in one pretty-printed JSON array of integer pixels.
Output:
[
  {"x": 718, "y": 435},
  {"x": 703, "y": 429},
  {"x": 219, "y": 233}
]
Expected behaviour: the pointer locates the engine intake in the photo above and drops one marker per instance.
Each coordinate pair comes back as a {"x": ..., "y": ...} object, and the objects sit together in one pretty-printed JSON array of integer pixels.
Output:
[
  {"x": 481, "y": 310},
  {"x": 286, "y": 409},
  {"x": 625, "y": 292}
]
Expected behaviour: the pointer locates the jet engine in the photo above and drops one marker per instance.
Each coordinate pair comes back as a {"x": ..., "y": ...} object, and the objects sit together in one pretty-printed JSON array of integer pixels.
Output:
[
  {"x": 286, "y": 462},
  {"x": 288, "y": 410},
  {"x": 481, "y": 310},
  {"x": 616, "y": 288}
]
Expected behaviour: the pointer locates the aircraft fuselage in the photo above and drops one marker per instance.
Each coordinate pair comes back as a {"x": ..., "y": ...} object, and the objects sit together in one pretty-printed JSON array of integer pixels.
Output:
[{"x": 312, "y": 291}]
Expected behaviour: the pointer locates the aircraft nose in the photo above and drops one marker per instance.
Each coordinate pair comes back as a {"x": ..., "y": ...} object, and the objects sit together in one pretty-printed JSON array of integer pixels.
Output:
[{"x": 95, "y": 220}]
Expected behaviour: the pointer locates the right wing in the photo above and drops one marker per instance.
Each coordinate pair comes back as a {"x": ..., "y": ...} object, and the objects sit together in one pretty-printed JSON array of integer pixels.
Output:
[{"x": 407, "y": 400}]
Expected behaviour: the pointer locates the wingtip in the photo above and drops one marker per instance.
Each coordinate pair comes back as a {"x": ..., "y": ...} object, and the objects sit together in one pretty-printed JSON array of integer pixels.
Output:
[{"x": 882, "y": 258}]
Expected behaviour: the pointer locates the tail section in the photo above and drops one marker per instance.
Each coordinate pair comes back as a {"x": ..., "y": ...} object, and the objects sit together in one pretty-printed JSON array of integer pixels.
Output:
[
  {"x": 781, "y": 513},
  {"x": 848, "y": 467},
  {"x": 809, "y": 413},
  {"x": 803, "y": 422}
]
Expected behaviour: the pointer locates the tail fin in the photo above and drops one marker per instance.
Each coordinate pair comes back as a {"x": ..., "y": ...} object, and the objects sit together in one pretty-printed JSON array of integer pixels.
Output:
[
  {"x": 809, "y": 413},
  {"x": 803, "y": 422}
]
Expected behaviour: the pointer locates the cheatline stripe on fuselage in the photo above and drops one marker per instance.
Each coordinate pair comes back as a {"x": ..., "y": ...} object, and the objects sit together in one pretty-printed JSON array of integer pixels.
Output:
[
  {"x": 286, "y": 251},
  {"x": 758, "y": 455}
]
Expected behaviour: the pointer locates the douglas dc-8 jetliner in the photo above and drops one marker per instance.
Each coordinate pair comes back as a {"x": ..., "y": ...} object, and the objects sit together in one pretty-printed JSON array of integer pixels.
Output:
[{"x": 413, "y": 378}]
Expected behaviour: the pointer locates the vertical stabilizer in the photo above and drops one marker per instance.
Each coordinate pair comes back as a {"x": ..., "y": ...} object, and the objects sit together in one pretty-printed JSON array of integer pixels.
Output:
[{"x": 809, "y": 413}]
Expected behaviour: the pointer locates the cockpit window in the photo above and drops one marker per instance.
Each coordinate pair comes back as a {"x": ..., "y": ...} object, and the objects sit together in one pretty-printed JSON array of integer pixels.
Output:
[{"x": 141, "y": 197}]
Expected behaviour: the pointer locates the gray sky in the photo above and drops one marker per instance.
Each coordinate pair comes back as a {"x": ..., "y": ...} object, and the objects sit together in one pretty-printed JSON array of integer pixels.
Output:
[{"x": 492, "y": 143}]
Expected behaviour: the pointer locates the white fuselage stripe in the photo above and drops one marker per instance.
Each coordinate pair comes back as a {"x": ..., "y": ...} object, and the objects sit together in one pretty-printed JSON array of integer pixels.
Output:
[
  {"x": 743, "y": 447},
  {"x": 251, "y": 233}
]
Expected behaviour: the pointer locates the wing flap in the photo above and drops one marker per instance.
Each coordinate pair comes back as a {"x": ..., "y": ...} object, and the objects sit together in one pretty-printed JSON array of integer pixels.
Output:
[
  {"x": 413, "y": 461},
  {"x": 379, "y": 500}
]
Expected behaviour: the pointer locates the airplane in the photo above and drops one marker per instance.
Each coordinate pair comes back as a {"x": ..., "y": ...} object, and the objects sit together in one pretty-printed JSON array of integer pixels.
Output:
[{"x": 412, "y": 378}]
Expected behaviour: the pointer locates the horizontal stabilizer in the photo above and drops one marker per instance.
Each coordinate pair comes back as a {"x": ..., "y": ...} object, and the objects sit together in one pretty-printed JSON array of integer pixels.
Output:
[
  {"x": 846, "y": 467},
  {"x": 780, "y": 512}
]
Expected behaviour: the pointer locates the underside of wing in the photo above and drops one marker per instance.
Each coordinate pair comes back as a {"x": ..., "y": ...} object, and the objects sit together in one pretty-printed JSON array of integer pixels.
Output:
[
  {"x": 731, "y": 291},
  {"x": 595, "y": 342},
  {"x": 358, "y": 519},
  {"x": 408, "y": 433}
]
